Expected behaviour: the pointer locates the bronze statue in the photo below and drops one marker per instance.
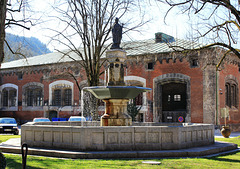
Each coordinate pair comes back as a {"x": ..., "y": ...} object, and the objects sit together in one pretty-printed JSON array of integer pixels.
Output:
[{"x": 117, "y": 35}]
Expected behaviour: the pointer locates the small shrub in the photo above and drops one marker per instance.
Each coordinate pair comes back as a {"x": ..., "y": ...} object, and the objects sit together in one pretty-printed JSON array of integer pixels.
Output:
[{"x": 133, "y": 110}]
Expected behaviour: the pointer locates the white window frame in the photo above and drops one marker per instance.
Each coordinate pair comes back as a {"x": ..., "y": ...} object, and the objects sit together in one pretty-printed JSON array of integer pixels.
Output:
[
  {"x": 60, "y": 82},
  {"x": 9, "y": 85}
]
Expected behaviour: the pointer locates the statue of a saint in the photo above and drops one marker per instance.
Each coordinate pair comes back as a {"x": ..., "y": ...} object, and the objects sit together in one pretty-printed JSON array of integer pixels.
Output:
[{"x": 117, "y": 35}]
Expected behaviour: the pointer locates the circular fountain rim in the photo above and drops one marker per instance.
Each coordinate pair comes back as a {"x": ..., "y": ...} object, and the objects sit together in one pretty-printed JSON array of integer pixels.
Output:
[
  {"x": 102, "y": 87},
  {"x": 115, "y": 92}
]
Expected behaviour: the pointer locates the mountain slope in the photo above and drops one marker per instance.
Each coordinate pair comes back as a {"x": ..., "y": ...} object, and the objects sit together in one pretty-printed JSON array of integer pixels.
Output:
[{"x": 26, "y": 46}]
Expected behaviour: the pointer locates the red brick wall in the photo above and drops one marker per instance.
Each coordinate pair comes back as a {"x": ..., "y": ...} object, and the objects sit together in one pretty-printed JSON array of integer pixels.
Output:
[
  {"x": 134, "y": 69},
  {"x": 35, "y": 77},
  {"x": 234, "y": 113},
  {"x": 138, "y": 69}
]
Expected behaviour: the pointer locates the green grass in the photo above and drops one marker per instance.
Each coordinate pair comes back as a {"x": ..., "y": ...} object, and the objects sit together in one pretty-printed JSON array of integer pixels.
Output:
[
  {"x": 235, "y": 140},
  {"x": 33, "y": 162},
  {"x": 4, "y": 138}
]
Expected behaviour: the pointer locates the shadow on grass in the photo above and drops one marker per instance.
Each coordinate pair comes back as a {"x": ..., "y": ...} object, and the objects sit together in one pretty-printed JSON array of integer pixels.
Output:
[
  {"x": 225, "y": 159},
  {"x": 12, "y": 163}
]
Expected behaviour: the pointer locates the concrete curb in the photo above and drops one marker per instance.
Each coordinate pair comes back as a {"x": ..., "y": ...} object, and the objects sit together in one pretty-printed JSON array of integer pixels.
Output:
[{"x": 219, "y": 148}]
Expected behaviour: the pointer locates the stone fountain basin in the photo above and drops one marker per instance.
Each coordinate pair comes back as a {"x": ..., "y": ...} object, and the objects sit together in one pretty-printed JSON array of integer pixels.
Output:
[
  {"x": 116, "y": 92},
  {"x": 145, "y": 136}
]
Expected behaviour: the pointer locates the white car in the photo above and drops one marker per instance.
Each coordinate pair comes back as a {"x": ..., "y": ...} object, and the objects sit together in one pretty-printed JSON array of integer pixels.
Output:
[
  {"x": 41, "y": 119},
  {"x": 77, "y": 118}
]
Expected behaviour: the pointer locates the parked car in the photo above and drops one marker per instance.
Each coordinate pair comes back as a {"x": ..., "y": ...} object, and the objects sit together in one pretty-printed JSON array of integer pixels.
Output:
[
  {"x": 77, "y": 118},
  {"x": 41, "y": 119},
  {"x": 8, "y": 125}
]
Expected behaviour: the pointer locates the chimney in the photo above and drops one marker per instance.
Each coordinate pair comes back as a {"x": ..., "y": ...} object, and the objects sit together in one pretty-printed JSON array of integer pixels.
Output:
[
  {"x": 163, "y": 38},
  {"x": 158, "y": 37}
]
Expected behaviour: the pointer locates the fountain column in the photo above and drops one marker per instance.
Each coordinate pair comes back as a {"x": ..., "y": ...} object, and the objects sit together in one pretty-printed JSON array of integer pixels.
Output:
[
  {"x": 116, "y": 59},
  {"x": 116, "y": 109}
]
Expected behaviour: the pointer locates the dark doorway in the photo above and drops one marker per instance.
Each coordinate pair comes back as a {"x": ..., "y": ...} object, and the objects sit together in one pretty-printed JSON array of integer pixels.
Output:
[
  {"x": 52, "y": 114},
  {"x": 174, "y": 101}
]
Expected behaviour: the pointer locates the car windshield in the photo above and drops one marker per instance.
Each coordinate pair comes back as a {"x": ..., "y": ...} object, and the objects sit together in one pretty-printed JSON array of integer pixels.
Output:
[{"x": 8, "y": 121}]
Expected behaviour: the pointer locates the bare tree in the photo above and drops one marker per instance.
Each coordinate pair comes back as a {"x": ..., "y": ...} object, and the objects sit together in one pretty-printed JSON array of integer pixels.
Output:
[
  {"x": 218, "y": 21},
  {"x": 8, "y": 19},
  {"x": 90, "y": 22}
]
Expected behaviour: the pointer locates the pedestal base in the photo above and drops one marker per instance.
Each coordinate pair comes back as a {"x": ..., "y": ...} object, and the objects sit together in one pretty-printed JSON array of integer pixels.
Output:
[
  {"x": 116, "y": 113},
  {"x": 115, "y": 122}
]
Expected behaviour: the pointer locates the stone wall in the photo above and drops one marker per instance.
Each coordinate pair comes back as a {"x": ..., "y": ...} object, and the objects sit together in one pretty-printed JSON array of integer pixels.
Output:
[
  {"x": 112, "y": 138},
  {"x": 67, "y": 123}
]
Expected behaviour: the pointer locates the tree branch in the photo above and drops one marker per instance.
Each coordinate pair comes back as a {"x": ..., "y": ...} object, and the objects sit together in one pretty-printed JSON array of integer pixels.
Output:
[{"x": 15, "y": 53}]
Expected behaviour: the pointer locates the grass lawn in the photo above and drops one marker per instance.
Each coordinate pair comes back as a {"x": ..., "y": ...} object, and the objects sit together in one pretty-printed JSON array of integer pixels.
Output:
[
  {"x": 235, "y": 140},
  {"x": 4, "y": 138},
  {"x": 229, "y": 161}
]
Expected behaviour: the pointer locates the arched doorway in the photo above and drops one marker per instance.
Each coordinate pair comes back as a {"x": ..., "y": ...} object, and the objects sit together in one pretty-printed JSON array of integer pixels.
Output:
[
  {"x": 171, "y": 98},
  {"x": 52, "y": 114},
  {"x": 174, "y": 102}
]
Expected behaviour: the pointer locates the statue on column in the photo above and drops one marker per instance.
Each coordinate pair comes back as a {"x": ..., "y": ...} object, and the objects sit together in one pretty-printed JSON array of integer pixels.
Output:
[{"x": 117, "y": 35}]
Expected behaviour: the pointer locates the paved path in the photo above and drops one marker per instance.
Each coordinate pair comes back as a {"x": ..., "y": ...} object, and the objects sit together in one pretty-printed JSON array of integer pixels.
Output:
[{"x": 13, "y": 142}]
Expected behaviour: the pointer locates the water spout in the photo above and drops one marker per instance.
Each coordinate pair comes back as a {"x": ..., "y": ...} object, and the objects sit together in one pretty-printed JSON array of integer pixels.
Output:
[{"x": 82, "y": 104}]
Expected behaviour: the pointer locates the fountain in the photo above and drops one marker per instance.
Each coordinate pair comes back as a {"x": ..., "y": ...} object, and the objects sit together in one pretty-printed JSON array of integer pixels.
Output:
[
  {"x": 116, "y": 95},
  {"x": 116, "y": 131}
]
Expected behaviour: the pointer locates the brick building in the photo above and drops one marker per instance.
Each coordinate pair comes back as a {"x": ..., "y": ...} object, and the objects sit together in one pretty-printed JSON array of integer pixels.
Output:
[{"x": 185, "y": 85}]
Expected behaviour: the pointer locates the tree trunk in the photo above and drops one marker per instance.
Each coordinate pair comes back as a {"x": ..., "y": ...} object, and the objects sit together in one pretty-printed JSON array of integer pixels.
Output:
[{"x": 3, "y": 4}]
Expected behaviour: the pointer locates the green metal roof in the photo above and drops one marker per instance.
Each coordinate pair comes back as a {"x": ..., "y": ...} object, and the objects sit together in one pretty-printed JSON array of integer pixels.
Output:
[{"x": 132, "y": 48}]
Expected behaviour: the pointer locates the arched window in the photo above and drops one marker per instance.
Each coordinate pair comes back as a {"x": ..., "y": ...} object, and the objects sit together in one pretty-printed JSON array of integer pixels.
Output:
[
  {"x": 227, "y": 94},
  {"x": 9, "y": 97},
  {"x": 68, "y": 97},
  {"x": 62, "y": 97},
  {"x": 61, "y": 93},
  {"x": 140, "y": 100},
  {"x": 33, "y": 94},
  {"x": 231, "y": 94},
  {"x": 57, "y": 97}
]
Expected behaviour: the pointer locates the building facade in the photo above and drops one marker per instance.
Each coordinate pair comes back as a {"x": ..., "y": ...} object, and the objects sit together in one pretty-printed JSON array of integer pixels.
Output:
[{"x": 186, "y": 87}]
